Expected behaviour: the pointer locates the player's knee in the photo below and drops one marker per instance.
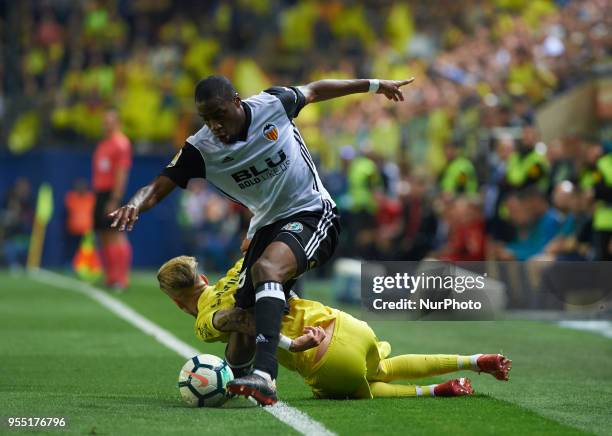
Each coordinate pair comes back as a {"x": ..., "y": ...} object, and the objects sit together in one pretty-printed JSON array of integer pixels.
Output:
[
  {"x": 267, "y": 269},
  {"x": 380, "y": 373}
]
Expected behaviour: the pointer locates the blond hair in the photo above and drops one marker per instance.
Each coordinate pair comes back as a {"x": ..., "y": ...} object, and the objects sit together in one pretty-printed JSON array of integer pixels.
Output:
[{"x": 178, "y": 275}]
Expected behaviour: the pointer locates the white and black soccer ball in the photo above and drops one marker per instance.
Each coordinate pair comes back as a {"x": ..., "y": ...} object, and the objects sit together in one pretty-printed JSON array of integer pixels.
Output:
[{"x": 202, "y": 381}]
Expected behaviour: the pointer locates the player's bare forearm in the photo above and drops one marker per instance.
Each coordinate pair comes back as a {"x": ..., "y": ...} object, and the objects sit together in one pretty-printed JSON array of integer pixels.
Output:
[
  {"x": 148, "y": 196},
  {"x": 234, "y": 320},
  {"x": 327, "y": 89},
  {"x": 145, "y": 198}
]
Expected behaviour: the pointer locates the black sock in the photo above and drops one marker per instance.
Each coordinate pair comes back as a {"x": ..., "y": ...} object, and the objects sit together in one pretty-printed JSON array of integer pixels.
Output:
[
  {"x": 269, "y": 306},
  {"x": 239, "y": 368}
]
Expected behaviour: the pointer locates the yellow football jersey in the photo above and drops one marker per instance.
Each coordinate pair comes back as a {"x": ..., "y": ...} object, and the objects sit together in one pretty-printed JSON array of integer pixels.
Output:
[
  {"x": 218, "y": 296},
  {"x": 301, "y": 313}
]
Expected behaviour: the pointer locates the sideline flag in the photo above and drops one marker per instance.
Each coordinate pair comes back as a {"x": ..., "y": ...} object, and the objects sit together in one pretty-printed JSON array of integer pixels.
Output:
[{"x": 44, "y": 211}]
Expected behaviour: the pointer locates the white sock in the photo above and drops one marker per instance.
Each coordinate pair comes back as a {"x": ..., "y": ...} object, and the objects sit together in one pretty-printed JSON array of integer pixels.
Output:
[
  {"x": 420, "y": 393},
  {"x": 240, "y": 365},
  {"x": 474, "y": 362},
  {"x": 263, "y": 374}
]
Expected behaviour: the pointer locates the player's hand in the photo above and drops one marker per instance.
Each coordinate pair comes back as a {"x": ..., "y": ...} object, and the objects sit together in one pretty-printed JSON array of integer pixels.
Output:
[
  {"x": 124, "y": 217},
  {"x": 312, "y": 337},
  {"x": 391, "y": 88}
]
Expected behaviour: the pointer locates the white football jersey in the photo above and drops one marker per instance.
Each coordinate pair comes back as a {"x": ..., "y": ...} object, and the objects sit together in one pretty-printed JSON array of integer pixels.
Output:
[{"x": 271, "y": 172}]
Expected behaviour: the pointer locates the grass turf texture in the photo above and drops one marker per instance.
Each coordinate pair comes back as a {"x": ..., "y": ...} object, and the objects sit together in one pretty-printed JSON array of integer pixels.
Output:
[{"x": 65, "y": 355}]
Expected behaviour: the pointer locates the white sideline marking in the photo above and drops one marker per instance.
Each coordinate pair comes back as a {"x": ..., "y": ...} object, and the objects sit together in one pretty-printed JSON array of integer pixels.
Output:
[
  {"x": 603, "y": 328},
  {"x": 292, "y": 417}
]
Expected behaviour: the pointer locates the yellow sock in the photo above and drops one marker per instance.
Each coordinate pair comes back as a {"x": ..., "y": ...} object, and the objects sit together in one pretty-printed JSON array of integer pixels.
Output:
[
  {"x": 381, "y": 389},
  {"x": 411, "y": 366}
]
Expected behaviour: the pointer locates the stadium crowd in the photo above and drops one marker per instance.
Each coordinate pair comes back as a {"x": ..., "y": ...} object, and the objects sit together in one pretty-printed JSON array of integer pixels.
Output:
[{"x": 458, "y": 172}]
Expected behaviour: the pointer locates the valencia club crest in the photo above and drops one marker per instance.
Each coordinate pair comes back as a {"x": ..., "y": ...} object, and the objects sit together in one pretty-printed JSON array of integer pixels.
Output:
[{"x": 270, "y": 132}]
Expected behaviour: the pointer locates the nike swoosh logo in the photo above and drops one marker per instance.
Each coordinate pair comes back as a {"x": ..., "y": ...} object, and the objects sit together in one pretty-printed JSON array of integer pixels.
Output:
[{"x": 203, "y": 380}]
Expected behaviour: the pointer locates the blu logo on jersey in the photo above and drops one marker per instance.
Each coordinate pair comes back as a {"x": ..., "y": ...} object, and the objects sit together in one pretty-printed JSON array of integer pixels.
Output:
[{"x": 253, "y": 175}]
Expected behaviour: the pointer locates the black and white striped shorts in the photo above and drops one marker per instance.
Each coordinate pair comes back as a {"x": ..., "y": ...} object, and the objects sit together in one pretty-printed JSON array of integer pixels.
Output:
[{"x": 312, "y": 237}]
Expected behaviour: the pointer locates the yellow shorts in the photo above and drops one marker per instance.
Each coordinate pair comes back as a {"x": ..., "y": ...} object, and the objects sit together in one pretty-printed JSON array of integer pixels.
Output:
[{"x": 354, "y": 351}]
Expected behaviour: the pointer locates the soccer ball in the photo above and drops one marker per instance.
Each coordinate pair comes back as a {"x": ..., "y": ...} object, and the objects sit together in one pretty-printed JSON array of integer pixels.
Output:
[{"x": 202, "y": 381}]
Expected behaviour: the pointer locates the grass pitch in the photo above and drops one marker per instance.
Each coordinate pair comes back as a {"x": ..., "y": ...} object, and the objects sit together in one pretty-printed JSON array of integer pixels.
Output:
[{"x": 64, "y": 355}]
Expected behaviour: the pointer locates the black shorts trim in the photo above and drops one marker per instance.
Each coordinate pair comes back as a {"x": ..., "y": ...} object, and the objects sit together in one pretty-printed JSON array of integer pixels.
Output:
[{"x": 322, "y": 228}]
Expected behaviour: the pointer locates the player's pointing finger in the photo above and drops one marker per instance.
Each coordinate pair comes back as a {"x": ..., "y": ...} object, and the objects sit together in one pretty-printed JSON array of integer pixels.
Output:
[{"x": 406, "y": 82}]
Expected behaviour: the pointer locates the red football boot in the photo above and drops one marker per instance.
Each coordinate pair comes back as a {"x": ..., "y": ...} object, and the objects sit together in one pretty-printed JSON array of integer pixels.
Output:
[
  {"x": 495, "y": 364},
  {"x": 454, "y": 388}
]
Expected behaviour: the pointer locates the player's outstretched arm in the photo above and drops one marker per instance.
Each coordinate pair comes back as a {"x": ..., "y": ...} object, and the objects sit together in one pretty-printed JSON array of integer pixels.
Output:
[
  {"x": 327, "y": 89},
  {"x": 145, "y": 198}
]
